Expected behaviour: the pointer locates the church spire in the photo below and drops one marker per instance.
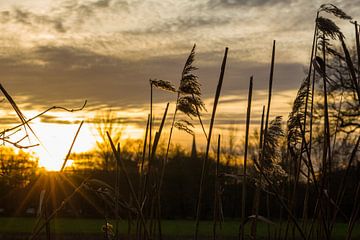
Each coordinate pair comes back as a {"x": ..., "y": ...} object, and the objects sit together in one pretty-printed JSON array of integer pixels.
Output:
[{"x": 193, "y": 149}]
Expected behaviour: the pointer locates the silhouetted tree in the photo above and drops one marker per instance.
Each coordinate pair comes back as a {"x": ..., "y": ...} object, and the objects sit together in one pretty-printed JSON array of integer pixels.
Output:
[
  {"x": 107, "y": 121},
  {"x": 16, "y": 169}
]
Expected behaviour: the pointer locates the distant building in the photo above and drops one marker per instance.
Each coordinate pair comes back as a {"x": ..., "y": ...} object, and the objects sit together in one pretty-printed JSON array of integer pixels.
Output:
[{"x": 193, "y": 149}]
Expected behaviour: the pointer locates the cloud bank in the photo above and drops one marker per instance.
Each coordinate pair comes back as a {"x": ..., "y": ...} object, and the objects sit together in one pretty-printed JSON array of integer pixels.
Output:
[{"x": 55, "y": 52}]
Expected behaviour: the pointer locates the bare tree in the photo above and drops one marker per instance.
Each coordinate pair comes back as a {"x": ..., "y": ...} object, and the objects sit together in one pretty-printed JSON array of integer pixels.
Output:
[{"x": 107, "y": 122}]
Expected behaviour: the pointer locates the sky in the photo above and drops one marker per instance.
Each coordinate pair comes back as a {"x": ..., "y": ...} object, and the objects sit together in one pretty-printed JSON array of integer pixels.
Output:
[{"x": 63, "y": 52}]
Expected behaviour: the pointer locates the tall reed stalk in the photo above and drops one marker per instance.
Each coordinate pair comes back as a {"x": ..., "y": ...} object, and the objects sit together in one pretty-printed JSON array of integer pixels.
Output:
[
  {"x": 141, "y": 178},
  {"x": 188, "y": 101},
  {"x": 357, "y": 44},
  {"x": 117, "y": 194},
  {"x": 131, "y": 187},
  {"x": 308, "y": 91},
  {"x": 269, "y": 98},
  {"x": 243, "y": 202},
  {"x": 269, "y": 92},
  {"x": 205, "y": 161},
  {"x": 71, "y": 147},
  {"x": 217, "y": 193},
  {"x": 256, "y": 203},
  {"x": 151, "y": 119}
]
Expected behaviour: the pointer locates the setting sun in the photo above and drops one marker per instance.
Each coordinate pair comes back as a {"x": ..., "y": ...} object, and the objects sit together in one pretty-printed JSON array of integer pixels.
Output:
[{"x": 56, "y": 140}]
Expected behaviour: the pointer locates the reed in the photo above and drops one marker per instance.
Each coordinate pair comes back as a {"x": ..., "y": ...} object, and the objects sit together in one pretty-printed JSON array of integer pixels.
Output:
[
  {"x": 206, "y": 159},
  {"x": 128, "y": 180},
  {"x": 269, "y": 91},
  {"x": 357, "y": 44},
  {"x": 256, "y": 202},
  {"x": 217, "y": 192},
  {"x": 243, "y": 202},
  {"x": 71, "y": 147}
]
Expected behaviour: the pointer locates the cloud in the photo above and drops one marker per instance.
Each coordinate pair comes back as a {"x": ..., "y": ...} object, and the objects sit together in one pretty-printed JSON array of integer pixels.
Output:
[
  {"x": 64, "y": 75},
  {"x": 82, "y": 11},
  {"x": 180, "y": 24},
  {"x": 241, "y": 3},
  {"x": 138, "y": 29},
  {"x": 9, "y": 120},
  {"x": 111, "y": 61},
  {"x": 30, "y": 19},
  {"x": 63, "y": 17},
  {"x": 78, "y": 13},
  {"x": 53, "y": 119}
]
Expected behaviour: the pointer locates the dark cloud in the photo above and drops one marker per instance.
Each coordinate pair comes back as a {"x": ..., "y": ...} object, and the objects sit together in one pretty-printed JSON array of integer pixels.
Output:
[
  {"x": 49, "y": 118},
  {"x": 239, "y": 3},
  {"x": 233, "y": 100},
  {"x": 139, "y": 121},
  {"x": 86, "y": 7},
  {"x": 9, "y": 120},
  {"x": 71, "y": 58},
  {"x": 180, "y": 24},
  {"x": 53, "y": 119},
  {"x": 64, "y": 75},
  {"x": 58, "y": 19},
  {"x": 28, "y": 18},
  {"x": 83, "y": 11},
  {"x": 240, "y": 120}
]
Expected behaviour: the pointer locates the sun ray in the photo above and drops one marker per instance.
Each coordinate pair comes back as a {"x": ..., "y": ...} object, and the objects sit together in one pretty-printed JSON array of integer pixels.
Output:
[
  {"x": 61, "y": 179},
  {"x": 37, "y": 183},
  {"x": 93, "y": 204}
]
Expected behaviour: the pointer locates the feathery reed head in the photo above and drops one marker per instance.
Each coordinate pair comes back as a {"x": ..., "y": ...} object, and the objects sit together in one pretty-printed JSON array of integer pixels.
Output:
[
  {"x": 190, "y": 86},
  {"x": 190, "y": 105},
  {"x": 331, "y": 8},
  {"x": 164, "y": 85},
  {"x": 272, "y": 141},
  {"x": 271, "y": 164},
  {"x": 184, "y": 125},
  {"x": 186, "y": 106},
  {"x": 189, "y": 81},
  {"x": 296, "y": 117},
  {"x": 328, "y": 28},
  {"x": 189, "y": 101},
  {"x": 188, "y": 68}
]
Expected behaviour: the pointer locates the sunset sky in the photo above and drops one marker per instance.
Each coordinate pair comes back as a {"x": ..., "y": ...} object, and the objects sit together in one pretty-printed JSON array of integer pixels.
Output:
[{"x": 62, "y": 52}]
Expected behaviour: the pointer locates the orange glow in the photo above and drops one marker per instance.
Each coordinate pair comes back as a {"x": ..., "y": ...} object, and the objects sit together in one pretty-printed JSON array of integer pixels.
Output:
[{"x": 56, "y": 140}]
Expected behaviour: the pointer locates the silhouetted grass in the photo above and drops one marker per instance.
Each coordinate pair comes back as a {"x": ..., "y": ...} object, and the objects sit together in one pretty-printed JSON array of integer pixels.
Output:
[{"x": 84, "y": 226}]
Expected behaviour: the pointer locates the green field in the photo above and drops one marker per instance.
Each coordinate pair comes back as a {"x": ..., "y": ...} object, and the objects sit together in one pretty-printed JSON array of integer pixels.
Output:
[{"x": 171, "y": 228}]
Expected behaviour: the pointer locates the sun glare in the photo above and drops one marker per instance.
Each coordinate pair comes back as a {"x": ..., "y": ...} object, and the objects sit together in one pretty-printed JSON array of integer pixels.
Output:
[{"x": 56, "y": 140}]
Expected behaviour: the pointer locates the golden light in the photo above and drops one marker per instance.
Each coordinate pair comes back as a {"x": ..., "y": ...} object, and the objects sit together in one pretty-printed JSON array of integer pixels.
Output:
[{"x": 56, "y": 140}]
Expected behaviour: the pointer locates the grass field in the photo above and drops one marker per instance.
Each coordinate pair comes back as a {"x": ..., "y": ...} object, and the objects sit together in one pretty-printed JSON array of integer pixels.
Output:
[{"x": 171, "y": 228}]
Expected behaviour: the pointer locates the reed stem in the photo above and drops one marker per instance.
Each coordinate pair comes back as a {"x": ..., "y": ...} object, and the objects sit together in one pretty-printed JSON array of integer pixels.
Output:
[{"x": 205, "y": 161}]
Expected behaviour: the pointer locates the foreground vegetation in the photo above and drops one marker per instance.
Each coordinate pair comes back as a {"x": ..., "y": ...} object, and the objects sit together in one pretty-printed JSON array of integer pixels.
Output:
[{"x": 171, "y": 228}]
